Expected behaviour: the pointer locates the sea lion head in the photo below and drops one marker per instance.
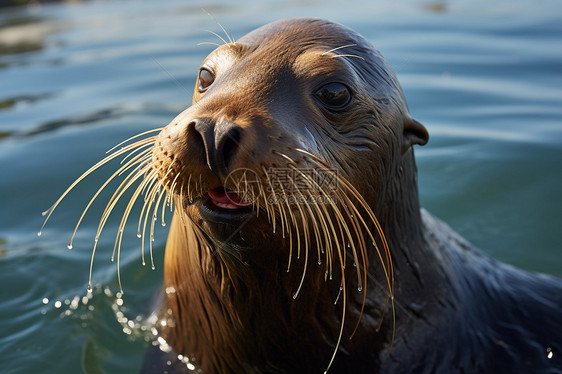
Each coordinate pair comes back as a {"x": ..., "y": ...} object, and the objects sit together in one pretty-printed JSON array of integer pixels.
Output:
[{"x": 297, "y": 138}]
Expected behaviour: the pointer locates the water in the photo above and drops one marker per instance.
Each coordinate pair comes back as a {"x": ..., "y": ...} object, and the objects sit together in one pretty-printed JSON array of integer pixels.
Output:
[{"x": 75, "y": 79}]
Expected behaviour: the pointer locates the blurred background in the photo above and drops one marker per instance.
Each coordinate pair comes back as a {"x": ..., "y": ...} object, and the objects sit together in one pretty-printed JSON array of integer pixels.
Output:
[{"x": 76, "y": 78}]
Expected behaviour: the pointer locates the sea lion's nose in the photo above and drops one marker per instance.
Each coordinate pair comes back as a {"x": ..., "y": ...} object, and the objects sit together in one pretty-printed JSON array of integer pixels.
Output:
[{"x": 220, "y": 141}]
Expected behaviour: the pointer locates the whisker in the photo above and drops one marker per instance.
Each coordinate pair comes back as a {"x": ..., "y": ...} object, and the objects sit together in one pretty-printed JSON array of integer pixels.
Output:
[
  {"x": 146, "y": 162},
  {"x": 147, "y": 180},
  {"x": 222, "y": 28},
  {"x": 134, "y": 137},
  {"x": 329, "y": 249},
  {"x": 210, "y": 43},
  {"x": 344, "y": 296},
  {"x": 181, "y": 203},
  {"x": 357, "y": 230},
  {"x": 123, "y": 168},
  {"x": 104, "y": 161},
  {"x": 371, "y": 215},
  {"x": 297, "y": 232},
  {"x": 316, "y": 235},
  {"x": 356, "y": 221},
  {"x": 124, "y": 218},
  {"x": 343, "y": 55},
  {"x": 337, "y": 48},
  {"x": 138, "y": 150},
  {"x": 227, "y": 35},
  {"x": 168, "y": 199},
  {"x": 281, "y": 206},
  {"x": 270, "y": 214},
  {"x": 387, "y": 266},
  {"x": 147, "y": 201},
  {"x": 332, "y": 228},
  {"x": 189, "y": 195},
  {"x": 159, "y": 189},
  {"x": 160, "y": 192},
  {"x": 148, "y": 186},
  {"x": 218, "y": 36},
  {"x": 348, "y": 55},
  {"x": 151, "y": 187},
  {"x": 319, "y": 216},
  {"x": 137, "y": 174},
  {"x": 128, "y": 182}
]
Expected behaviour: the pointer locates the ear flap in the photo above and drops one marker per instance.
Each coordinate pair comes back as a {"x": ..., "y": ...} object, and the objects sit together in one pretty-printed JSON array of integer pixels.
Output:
[{"x": 414, "y": 133}]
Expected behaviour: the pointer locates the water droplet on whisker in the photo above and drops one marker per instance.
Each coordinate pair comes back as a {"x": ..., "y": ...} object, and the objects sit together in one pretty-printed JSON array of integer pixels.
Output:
[
  {"x": 39, "y": 233},
  {"x": 153, "y": 267},
  {"x": 359, "y": 288},
  {"x": 139, "y": 235},
  {"x": 163, "y": 224},
  {"x": 69, "y": 246},
  {"x": 89, "y": 288}
]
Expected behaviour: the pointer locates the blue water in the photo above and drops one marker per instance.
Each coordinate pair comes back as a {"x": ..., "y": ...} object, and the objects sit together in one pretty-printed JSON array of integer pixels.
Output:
[{"x": 75, "y": 79}]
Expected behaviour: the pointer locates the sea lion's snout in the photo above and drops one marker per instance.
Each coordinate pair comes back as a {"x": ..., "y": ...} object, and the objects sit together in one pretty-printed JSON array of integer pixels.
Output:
[
  {"x": 209, "y": 147},
  {"x": 219, "y": 139}
]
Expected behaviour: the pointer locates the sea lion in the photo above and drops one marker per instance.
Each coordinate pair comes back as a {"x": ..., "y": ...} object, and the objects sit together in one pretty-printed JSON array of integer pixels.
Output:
[
  {"x": 298, "y": 244},
  {"x": 311, "y": 94}
]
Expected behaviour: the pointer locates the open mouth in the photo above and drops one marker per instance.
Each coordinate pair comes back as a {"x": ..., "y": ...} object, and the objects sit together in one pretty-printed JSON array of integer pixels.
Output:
[
  {"x": 224, "y": 205},
  {"x": 227, "y": 199}
]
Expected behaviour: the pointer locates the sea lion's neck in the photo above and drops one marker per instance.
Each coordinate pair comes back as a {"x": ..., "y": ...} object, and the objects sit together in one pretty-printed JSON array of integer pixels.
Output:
[
  {"x": 400, "y": 214},
  {"x": 419, "y": 268},
  {"x": 235, "y": 314}
]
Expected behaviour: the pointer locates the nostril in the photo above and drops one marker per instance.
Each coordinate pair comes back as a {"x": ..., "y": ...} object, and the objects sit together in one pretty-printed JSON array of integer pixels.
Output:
[
  {"x": 228, "y": 147},
  {"x": 195, "y": 138}
]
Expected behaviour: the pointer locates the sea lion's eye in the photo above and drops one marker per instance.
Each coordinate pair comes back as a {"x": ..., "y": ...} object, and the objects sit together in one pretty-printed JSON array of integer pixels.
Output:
[
  {"x": 334, "y": 95},
  {"x": 206, "y": 78}
]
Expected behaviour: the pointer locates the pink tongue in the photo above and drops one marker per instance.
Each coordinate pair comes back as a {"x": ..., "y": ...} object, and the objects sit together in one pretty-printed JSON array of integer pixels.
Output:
[{"x": 227, "y": 199}]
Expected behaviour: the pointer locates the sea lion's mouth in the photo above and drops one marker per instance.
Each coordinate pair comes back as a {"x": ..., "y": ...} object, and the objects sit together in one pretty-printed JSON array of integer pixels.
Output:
[
  {"x": 223, "y": 205},
  {"x": 224, "y": 198}
]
